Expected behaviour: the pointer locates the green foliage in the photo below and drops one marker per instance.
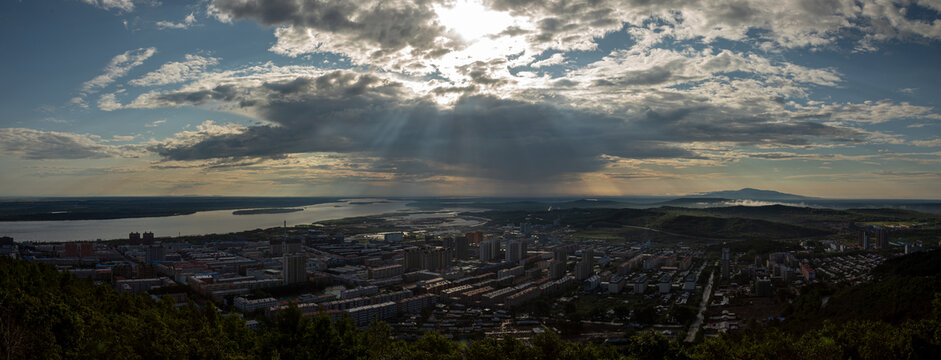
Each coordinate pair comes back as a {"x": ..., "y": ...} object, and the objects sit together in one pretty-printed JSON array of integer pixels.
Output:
[
  {"x": 897, "y": 294},
  {"x": 917, "y": 264},
  {"x": 53, "y": 315},
  {"x": 857, "y": 339},
  {"x": 650, "y": 345}
]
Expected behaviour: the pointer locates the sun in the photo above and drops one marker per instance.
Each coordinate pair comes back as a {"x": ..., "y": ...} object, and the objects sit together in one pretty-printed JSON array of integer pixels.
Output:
[{"x": 471, "y": 20}]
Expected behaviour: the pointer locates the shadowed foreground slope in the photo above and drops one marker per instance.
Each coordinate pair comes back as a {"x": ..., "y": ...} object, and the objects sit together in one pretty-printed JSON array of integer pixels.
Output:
[{"x": 48, "y": 315}]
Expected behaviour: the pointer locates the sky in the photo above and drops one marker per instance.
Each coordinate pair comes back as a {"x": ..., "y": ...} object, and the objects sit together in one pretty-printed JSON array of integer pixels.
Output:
[{"x": 826, "y": 98}]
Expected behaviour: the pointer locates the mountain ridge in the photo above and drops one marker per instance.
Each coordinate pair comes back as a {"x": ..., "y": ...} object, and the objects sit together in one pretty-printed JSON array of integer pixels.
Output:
[{"x": 751, "y": 194}]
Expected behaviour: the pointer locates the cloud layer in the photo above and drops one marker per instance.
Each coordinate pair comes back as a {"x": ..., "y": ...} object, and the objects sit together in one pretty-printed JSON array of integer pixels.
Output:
[
  {"x": 510, "y": 94},
  {"x": 45, "y": 145},
  {"x": 477, "y": 136}
]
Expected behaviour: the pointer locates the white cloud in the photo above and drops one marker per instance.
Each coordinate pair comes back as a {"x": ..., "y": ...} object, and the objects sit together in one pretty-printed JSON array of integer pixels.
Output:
[
  {"x": 120, "y": 5},
  {"x": 424, "y": 37},
  {"x": 927, "y": 143},
  {"x": 206, "y": 130},
  {"x": 40, "y": 145},
  {"x": 177, "y": 71},
  {"x": 873, "y": 112},
  {"x": 555, "y": 59},
  {"x": 156, "y": 123},
  {"x": 119, "y": 66},
  {"x": 78, "y": 101},
  {"x": 108, "y": 102},
  {"x": 187, "y": 22}
]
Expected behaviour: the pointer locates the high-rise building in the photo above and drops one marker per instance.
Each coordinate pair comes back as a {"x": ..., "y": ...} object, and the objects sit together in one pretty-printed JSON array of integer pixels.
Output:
[
  {"x": 560, "y": 253},
  {"x": 513, "y": 251},
  {"x": 582, "y": 271},
  {"x": 71, "y": 250},
  {"x": 882, "y": 236},
  {"x": 556, "y": 269},
  {"x": 276, "y": 247},
  {"x": 79, "y": 249},
  {"x": 486, "y": 251},
  {"x": 156, "y": 252},
  {"x": 808, "y": 272},
  {"x": 148, "y": 238},
  {"x": 588, "y": 255},
  {"x": 292, "y": 246},
  {"x": 495, "y": 253},
  {"x": 726, "y": 263},
  {"x": 461, "y": 248},
  {"x": 475, "y": 238},
  {"x": 864, "y": 240},
  {"x": 435, "y": 259},
  {"x": 294, "y": 269},
  {"x": 412, "y": 259},
  {"x": 526, "y": 229},
  {"x": 584, "y": 267},
  {"x": 134, "y": 238}
]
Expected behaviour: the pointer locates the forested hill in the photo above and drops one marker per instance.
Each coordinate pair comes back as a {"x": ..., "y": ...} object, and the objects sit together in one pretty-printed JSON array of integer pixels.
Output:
[{"x": 45, "y": 314}]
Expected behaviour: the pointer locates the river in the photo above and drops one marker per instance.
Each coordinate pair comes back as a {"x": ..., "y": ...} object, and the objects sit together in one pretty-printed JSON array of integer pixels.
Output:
[{"x": 204, "y": 222}]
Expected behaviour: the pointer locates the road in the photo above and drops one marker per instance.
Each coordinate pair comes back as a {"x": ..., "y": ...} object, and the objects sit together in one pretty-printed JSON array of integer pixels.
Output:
[{"x": 694, "y": 328}]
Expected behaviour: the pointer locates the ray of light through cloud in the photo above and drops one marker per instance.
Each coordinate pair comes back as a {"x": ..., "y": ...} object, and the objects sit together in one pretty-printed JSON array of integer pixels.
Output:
[{"x": 473, "y": 97}]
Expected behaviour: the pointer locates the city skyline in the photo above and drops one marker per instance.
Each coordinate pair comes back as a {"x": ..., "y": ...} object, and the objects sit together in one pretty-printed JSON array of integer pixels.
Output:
[{"x": 470, "y": 98}]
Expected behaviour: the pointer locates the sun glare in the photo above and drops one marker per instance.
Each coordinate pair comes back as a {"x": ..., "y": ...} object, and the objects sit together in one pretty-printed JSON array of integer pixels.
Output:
[{"x": 471, "y": 20}]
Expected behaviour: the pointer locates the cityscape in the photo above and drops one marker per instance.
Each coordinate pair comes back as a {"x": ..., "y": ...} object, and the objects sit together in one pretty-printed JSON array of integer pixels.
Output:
[
  {"x": 470, "y": 179},
  {"x": 523, "y": 273}
]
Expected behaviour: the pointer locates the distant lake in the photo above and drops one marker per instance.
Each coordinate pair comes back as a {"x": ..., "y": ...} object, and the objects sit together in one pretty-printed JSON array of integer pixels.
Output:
[{"x": 205, "y": 222}]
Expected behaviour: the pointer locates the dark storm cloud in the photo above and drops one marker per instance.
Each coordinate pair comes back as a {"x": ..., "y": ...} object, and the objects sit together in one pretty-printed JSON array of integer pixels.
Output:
[
  {"x": 454, "y": 90},
  {"x": 656, "y": 75},
  {"x": 481, "y": 72},
  {"x": 198, "y": 97},
  {"x": 480, "y": 136},
  {"x": 709, "y": 124},
  {"x": 704, "y": 124}
]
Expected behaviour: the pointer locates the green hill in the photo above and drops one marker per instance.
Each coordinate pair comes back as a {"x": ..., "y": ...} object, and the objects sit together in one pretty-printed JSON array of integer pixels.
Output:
[
  {"x": 903, "y": 288},
  {"x": 719, "y": 227}
]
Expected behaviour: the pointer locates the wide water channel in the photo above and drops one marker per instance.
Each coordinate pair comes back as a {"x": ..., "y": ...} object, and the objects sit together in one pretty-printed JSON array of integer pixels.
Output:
[{"x": 204, "y": 222}]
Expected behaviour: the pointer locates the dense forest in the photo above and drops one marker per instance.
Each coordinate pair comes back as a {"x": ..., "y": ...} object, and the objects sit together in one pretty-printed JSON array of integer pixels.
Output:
[{"x": 45, "y": 314}]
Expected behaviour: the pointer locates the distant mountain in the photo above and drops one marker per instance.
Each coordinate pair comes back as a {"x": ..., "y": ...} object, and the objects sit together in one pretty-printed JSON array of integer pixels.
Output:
[
  {"x": 751, "y": 194},
  {"x": 695, "y": 201}
]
